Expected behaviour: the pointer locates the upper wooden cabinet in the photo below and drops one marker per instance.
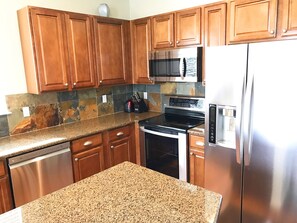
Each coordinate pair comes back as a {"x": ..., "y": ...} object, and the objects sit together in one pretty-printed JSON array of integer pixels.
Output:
[
  {"x": 141, "y": 46},
  {"x": 215, "y": 25},
  {"x": 251, "y": 20},
  {"x": 178, "y": 29},
  {"x": 112, "y": 46},
  {"x": 80, "y": 47},
  {"x": 288, "y": 18},
  {"x": 188, "y": 27},
  {"x": 57, "y": 49}
]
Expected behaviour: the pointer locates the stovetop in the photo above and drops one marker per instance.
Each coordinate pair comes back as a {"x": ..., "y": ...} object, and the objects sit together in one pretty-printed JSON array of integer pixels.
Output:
[{"x": 181, "y": 114}]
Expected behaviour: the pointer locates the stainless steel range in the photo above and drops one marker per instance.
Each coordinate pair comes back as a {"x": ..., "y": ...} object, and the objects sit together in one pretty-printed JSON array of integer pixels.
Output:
[{"x": 164, "y": 139}]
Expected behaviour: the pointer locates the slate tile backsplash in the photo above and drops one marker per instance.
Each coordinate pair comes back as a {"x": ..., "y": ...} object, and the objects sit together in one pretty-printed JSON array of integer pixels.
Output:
[{"x": 58, "y": 108}]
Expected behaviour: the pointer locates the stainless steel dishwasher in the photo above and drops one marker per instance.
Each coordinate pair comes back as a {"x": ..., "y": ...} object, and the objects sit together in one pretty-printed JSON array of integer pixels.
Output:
[{"x": 40, "y": 172}]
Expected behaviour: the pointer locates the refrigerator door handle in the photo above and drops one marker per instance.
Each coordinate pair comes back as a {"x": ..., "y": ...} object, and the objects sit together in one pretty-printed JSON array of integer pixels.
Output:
[
  {"x": 238, "y": 133},
  {"x": 248, "y": 120}
]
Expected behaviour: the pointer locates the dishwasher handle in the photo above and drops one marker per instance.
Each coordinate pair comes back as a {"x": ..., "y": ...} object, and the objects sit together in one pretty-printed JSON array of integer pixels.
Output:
[
  {"x": 39, "y": 158},
  {"x": 37, "y": 153}
]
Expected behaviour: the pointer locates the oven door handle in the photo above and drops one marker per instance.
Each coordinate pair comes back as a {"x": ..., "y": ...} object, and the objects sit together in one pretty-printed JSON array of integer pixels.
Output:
[{"x": 159, "y": 133}]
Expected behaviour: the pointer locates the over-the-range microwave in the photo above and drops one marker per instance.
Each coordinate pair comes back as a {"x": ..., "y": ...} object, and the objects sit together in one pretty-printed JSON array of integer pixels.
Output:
[{"x": 178, "y": 65}]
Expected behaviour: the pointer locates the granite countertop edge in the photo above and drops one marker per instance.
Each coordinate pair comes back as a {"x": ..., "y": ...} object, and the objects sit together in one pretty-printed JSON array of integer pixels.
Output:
[{"x": 26, "y": 142}]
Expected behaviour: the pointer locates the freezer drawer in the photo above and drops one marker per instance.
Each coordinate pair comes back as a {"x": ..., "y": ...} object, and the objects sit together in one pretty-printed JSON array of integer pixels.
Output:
[{"x": 41, "y": 172}]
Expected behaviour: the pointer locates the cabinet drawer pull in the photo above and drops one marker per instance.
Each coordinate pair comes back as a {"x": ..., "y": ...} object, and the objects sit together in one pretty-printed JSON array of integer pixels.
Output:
[
  {"x": 76, "y": 159},
  {"x": 112, "y": 147},
  {"x": 199, "y": 143},
  {"x": 197, "y": 156},
  {"x": 88, "y": 143},
  {"x": 120, "y": 134}
]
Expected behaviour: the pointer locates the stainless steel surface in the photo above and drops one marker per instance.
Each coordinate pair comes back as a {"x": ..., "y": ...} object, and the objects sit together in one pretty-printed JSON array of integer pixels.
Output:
[
  {"x": 182, "y": 148},
  {"x": 262, "y": 187},
  {"x": 40, "y": 172},
  {"x": 224, "y": 88}
]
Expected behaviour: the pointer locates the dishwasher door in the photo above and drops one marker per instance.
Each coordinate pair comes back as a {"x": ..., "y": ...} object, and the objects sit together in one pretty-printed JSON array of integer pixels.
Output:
[{"x": 40, "y": 172}]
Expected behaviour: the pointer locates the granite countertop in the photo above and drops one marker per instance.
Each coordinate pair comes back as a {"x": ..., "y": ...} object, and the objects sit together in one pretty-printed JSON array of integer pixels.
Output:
[
  {"x": 124, "y": 193},
  {"x": 198, "y": 130},
  {"x": 13, "y": 145}
]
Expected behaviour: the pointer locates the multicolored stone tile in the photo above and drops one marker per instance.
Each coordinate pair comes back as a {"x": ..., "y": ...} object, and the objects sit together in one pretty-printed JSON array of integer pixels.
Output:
[
  {"x": 17, "y": 101},
  {"x": 44, "y": 98},
  {"x": 69, "y": 111},
  {"x": 106, "y": 108},
  {"x": 86, "y": 94},
  {"x": 199, "y": 89},
  {"x": 168, "y": 88},
  {"x": 104, "y": 90},
  {"x": 46, "y": 116},
  {"x": 18, "y": 123},
  {"x": 67, "y": 96},
  {"x": 119, "y": 101},
  {"x": 154, "y": 102},
  {"x": 88, "y": 108},
  {"x": 186, "y": 89},
  {"x": 4, "y": 129},
  {"x": 139, "y": 88},
  {"x": 153, "y": 88}
]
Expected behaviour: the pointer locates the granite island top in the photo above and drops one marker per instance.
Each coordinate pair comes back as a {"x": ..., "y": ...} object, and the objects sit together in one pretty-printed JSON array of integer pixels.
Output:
[
  {"x": 26, "y": 142},
  {"x": 124, "y": 193}
]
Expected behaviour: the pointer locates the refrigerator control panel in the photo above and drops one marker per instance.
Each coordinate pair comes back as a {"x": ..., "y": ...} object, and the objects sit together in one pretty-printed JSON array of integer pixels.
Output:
[{"x": 212, "y": 123}]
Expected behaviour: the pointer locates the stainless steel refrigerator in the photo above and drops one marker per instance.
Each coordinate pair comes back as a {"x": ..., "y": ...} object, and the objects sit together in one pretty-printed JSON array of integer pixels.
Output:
[{"x": 251, "y": 136}]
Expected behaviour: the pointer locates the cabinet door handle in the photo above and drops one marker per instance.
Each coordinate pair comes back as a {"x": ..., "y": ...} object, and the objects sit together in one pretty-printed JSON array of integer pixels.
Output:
[
  {"x": 199, "y": 143},
  {"x": 74, "y": 84},
  {"x": 66, "y": 84},
  {"x": 120, "y": 134},
  {"x": 171, "y": 43},
  {"x": 284, "y": 30},
  {"x": 100, "y": 82},
  {"x": 191, "y": 153},
  {"x": 197, "y": 156},
  {"x": 88, "y": 143},
  {"x": 111, "y": 147},
  {"x": 76, "y": 159},
  {"x": 272, "y": 31}
]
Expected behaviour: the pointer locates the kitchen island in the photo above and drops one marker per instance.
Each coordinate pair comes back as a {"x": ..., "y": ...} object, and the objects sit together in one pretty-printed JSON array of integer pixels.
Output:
[{"x": 124, "y": 193}]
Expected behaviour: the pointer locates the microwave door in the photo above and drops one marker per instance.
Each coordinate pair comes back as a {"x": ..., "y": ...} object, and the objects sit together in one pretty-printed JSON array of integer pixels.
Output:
[{"x": 159, "y": 66}]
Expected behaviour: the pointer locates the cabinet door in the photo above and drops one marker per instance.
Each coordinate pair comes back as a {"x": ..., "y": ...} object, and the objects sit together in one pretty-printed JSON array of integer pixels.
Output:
[
  {"x": 120, "y": 151},
  {"x": 88, "y": 163},
  {"x": 110, "y": 50},
  {"x": 5, "y": 195},
  {"x": 188, "y": 27},
  {"x": 141, "y": 37},
  {"x": 80, "y": 46},
  {"x": 252, "y": 20},
  {"x": 50, "y": 49},
  {"x": 197, "y": 168},
  {"x": 215, "y": 25},
  {"x": 289, "y": 18},
  {"x": 163, "y": 31}
]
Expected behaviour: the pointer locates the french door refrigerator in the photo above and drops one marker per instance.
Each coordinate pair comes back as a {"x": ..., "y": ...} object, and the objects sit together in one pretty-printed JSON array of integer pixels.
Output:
[{"x": 251, "y": 140}]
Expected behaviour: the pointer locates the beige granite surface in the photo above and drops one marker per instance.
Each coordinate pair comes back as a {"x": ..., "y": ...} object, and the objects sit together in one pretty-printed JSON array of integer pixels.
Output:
[
  {"x": 199, "y": 130},
  {"x": 124, "y": 193},
  {"x": 26, "y": 142}
]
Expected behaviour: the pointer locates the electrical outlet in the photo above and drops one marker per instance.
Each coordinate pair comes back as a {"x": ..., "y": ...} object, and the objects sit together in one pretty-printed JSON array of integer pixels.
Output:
[
  {"x": 144, "y": 95},
  {"x": 26, "y": 111},
  {"x": 104, "y": 98}
]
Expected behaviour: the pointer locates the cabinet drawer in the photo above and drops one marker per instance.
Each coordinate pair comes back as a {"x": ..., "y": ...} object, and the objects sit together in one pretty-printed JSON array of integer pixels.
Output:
[
  {"x": 2, "y": 169},
  {"x": 86, "y": 143},
  {"x": 196, "y": 141},
  {"x": 119, "y": 133}
]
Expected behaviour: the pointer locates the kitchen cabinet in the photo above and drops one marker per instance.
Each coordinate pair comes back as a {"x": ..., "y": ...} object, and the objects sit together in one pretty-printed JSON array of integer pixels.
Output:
[
  {"x": 141, "y": 47},
  {"x": 121, "y": 145},
  {"x": 112, "y": 47},
  {"x": 80, "y": 47},
  {"x": 179, "y": 29},
  {"x": 215, "y": 24},
  {"x": 87, "y": 156},
  {"x": 288, "y": 18},
  {"x": 197, "y": 160},
  {"x": 57, "y": 49},
  {"x": 252, "y": 20},
  {"x": 5, "y": 192}
]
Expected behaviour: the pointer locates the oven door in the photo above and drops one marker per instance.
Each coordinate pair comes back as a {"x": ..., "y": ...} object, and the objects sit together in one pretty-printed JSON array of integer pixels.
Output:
[{"x": 164, "y": 151}]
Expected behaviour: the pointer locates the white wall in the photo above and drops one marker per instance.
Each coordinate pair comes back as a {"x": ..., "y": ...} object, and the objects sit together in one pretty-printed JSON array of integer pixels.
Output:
[
  {"x": 143, "y": 8},
  {"x": 12, "y": 76}
]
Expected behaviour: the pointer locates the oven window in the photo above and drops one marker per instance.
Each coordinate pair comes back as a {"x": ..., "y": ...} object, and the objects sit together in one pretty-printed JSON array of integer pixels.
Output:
[{"x": 162, "y": 154}]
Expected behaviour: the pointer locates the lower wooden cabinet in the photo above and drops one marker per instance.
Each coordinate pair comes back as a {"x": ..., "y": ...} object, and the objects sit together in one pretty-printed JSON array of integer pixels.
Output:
[
  {"x": 121, "y": 145},
  {"x": 197, "y": 160},
  {"x": 5, "y": 192},
  {"x": 87, "y": 156}
]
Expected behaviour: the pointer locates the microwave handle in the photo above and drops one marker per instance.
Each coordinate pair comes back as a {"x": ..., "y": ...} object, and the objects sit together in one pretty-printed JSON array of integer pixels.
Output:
[{"x": 182, "y": 67}]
